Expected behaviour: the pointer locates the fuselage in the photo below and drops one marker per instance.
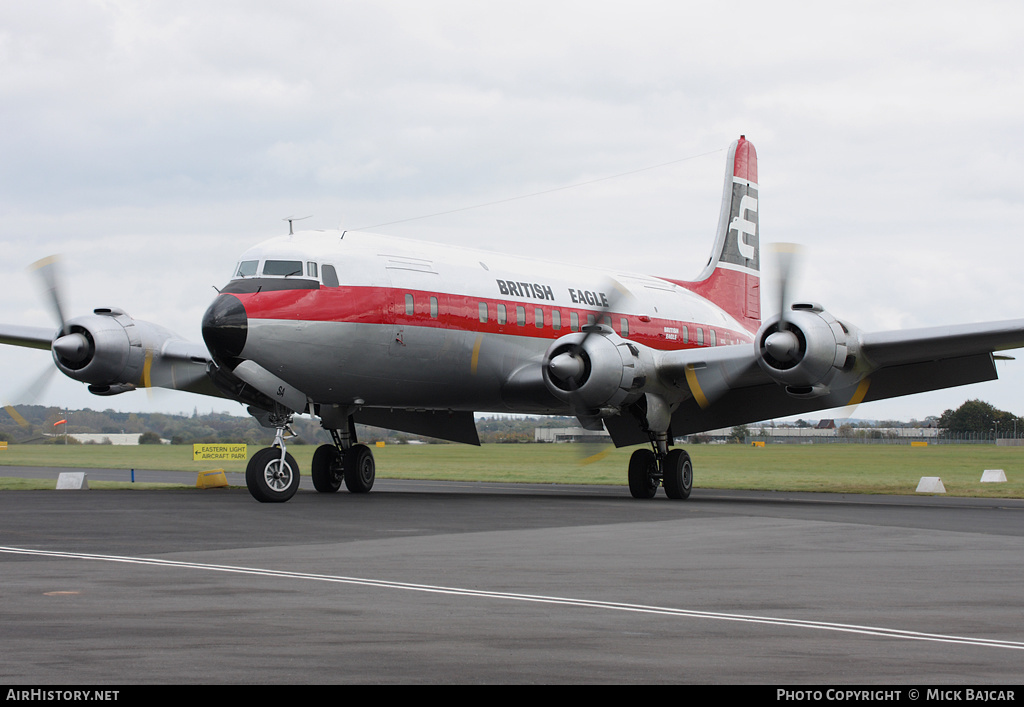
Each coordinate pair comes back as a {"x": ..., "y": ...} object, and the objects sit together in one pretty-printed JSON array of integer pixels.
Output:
[{"x": 357, "y": 318}]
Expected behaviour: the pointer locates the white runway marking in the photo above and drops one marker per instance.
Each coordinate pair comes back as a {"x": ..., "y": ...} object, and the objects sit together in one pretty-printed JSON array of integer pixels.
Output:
[{"x": 538, "y": 599}]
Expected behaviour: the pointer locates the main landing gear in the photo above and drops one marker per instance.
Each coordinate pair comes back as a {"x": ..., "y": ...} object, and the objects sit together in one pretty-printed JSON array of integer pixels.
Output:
[
  {"x": 670, "y": 468},
  {"x": 272, "y": 475},
  {"x": 354, "y": 466}
]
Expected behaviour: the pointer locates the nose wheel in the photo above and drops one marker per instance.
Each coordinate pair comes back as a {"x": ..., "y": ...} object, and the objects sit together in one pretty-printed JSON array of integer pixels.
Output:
[{"x": 272, "y": 475}]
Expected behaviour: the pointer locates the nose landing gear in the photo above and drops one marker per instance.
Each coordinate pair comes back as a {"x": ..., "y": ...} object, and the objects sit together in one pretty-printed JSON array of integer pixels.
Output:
[{"x": 272, "y": 475}]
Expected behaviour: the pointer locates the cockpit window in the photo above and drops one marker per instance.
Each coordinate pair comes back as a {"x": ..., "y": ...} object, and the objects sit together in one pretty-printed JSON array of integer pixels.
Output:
[
  {"x": 246, "y": 268},
  {"x": 283, "y": 268}
]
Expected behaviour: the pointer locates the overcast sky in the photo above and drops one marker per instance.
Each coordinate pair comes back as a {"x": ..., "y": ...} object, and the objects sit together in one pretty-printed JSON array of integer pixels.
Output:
[{"x": 151, "y": 142}]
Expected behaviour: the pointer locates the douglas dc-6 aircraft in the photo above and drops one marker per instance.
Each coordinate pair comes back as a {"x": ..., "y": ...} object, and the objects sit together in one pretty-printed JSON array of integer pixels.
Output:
[{"x": 355, "y": 327}]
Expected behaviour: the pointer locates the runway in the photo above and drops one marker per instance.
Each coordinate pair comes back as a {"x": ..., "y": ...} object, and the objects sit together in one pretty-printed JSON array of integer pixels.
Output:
[{"x": 432, "y": 582}]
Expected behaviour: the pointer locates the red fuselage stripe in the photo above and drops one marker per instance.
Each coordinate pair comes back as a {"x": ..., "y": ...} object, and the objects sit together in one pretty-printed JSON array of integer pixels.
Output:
[{"x": 380, "y": 305}]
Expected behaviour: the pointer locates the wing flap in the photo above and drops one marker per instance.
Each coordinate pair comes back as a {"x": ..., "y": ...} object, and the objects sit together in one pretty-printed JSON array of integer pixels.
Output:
[
  {"x": 442, "y": 424},
  {"x": 740, "y": 406}
]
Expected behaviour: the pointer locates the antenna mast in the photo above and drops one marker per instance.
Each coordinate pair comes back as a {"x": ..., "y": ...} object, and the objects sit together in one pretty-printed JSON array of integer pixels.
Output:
[{"x": 290, "y": 219}]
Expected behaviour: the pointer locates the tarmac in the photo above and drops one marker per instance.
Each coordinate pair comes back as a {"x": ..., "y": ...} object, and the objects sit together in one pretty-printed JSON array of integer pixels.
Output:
[{"x": 451, "y": 583}]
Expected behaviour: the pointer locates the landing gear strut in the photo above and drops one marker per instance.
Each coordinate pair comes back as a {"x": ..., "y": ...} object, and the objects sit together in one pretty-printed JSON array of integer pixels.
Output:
[{"x": 649, "y": 468}]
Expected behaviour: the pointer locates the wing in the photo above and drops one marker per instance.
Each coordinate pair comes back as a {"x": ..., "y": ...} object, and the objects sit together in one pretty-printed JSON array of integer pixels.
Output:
[
  {"x": 31, "y": 337},
  {"x": 812, "y": 362},
  {"x": 741, "y": 384},
  {"x": 114, "y": 353}
]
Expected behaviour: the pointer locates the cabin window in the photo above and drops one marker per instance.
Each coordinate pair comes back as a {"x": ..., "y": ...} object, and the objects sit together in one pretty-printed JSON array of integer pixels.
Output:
[
  {"x": 686, "y": 335},
  {"x": 483, "y": 312},
  {"x": 590, "y": 320},
  {"x": 574, "y": 321},
  {"x": 502, "y": 314},
  {"x": 556, "y": 319},
  {"x": 700, "y": 336},
  {"x": 311, "y": 270},
  {"x": 330, "y": 276},
  {"x": 624, "y": 327},
  {"x": 409, "y": 305},
  {"x": 521, "y": 316},
  {"x": 538, "y": 317},
  {"x": 247, "y": 268},
  {"x": 433, "y": 307},
  {"x": 606, "y": 320},
  {"x": 283, "y": 268},
  {"x": 711, "y": 337}
]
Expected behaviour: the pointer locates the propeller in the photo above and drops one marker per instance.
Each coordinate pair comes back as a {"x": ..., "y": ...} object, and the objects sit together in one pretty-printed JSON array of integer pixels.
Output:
[
  {"x": 570, "y": 366},
  {"x": 31, "y": 392},
  {"x": 709, "y": 380},
  {"x": 47, "y": 270},
  {"x": 784, "y": 345},
  {"x": 73, "y": 347}
]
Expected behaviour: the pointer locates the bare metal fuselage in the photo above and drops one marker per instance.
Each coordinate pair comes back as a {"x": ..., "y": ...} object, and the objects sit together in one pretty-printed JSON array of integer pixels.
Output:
[{"x": 423, "y": 326}]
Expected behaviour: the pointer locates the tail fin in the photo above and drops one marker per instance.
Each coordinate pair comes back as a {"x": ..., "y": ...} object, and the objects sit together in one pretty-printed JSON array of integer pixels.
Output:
[{"x": 732, "y": 277}]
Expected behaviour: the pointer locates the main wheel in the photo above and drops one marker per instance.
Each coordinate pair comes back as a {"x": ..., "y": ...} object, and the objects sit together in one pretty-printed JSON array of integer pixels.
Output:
[
  {"x": 327, "y": 470},
  {"x": 269, "y": 480},
  {"x": 360, "y": 469},
  {"x": 642, "y": 467},
  {"x": 678, "y": 475}
]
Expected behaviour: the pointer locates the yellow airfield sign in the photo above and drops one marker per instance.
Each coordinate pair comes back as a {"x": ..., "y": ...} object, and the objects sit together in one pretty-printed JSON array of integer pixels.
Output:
[{"x": 206, "y": 452}]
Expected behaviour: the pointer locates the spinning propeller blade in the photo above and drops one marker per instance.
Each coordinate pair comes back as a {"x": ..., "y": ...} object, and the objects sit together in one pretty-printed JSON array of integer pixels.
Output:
[
  {"x": 47, "y": 270},
  {"x": 783, "y": 345},
  {"x": 570, "y": 366},
  {"x": 29, "y": 394}
]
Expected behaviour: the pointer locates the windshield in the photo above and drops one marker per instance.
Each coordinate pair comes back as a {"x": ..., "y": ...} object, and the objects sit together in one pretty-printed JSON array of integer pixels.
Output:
[
  {"x": 246, "y": 268},
  {"x": 283, "y": 268}
]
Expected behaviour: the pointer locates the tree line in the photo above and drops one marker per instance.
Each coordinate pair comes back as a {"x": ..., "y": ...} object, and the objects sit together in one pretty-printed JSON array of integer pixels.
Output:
[{"x": 36, "y": 426}]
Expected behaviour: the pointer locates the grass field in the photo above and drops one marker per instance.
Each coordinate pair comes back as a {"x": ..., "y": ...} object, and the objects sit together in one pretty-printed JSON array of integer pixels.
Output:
[{"x": 886, "y": 469}]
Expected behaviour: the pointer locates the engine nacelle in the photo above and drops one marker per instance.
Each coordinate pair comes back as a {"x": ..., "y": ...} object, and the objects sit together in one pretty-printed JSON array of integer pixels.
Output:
[
  {"x": 808, "y": 352},
  {"x": 596, "y": 369},
  {"x": 108, "y": 350}
]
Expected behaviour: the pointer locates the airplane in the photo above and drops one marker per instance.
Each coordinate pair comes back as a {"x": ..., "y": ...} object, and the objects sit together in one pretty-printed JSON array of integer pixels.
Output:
[{"x": 356, "y": 327}]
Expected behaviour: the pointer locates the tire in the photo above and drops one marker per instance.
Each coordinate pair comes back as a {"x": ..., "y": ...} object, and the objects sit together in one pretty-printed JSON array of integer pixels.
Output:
[
  {"x": 268, "y": 480},
  {"x": 326, "y": 469},
  {"x": 360, "y": 469},
  {"x": 642, "y": 484},
  {"x": 678, "y": 476}
]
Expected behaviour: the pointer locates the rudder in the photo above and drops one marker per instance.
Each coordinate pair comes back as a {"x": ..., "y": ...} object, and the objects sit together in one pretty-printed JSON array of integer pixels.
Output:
[{"x": 732, "y": 277}]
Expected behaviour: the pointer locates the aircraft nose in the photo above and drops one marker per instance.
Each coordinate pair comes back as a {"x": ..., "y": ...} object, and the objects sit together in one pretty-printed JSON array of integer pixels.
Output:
[{"x": 225, "y": 325}]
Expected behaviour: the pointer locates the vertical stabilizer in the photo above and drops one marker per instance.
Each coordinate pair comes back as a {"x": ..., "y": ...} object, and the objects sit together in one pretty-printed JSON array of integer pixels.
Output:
[{"x": 732, "y": 277}]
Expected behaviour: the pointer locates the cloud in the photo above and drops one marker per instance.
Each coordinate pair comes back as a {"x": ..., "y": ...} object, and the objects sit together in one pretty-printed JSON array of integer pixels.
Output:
[{"x": 154, "y": 142}]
